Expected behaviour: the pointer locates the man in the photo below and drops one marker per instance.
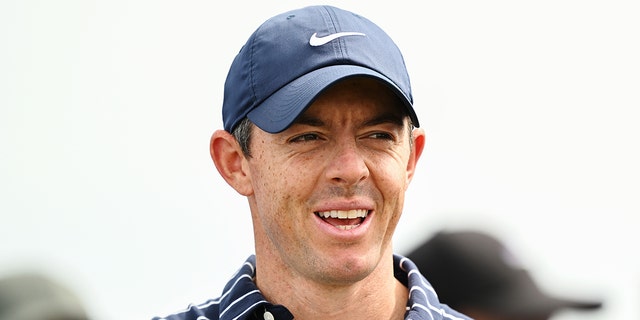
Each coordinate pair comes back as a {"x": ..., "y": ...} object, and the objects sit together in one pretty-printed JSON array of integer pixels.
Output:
[
  {"x": 319, "y": 136},
  {"x": 476, "y": 274}
]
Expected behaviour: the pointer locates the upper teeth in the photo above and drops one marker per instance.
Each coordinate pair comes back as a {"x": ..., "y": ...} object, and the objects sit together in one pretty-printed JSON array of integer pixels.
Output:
[{"x": 344, "y": 214}]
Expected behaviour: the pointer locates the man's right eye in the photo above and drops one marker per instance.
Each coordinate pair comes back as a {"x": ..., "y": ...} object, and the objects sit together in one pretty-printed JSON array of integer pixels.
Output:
[{"x": 305, "y": 137}]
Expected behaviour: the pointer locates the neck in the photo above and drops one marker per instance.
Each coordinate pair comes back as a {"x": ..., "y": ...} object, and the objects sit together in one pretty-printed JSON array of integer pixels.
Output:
[{"x": 377, "y": 296}]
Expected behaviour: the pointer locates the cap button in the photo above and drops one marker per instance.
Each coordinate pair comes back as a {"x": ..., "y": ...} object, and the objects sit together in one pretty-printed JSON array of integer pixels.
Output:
[{"x": 269, "y": 316}]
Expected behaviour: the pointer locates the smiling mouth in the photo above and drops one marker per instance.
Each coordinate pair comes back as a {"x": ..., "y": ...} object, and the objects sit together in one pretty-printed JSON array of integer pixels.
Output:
[{"x": 344, "y": 219}]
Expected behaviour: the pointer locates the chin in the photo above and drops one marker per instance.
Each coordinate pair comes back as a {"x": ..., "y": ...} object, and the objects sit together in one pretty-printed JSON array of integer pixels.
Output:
[{"x": 348, "y": 270}]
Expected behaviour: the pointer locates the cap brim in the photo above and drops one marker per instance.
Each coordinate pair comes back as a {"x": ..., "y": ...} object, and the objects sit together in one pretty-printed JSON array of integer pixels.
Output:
[
  {"x": 543, "y": 305},
  {"x": 278, "y": 111},
  {"x": 575, "y": 304},
  {"x": 526, "y": 298}
]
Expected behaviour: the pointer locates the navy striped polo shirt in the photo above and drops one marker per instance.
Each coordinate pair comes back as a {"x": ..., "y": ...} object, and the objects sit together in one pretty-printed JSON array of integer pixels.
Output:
[{"x": 241, "y": 299}]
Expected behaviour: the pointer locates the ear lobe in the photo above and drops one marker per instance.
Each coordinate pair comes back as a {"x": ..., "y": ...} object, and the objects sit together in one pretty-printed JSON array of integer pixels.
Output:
[
  {"x": 230, "y": 161},
  {"x": 419, "y": 139}
]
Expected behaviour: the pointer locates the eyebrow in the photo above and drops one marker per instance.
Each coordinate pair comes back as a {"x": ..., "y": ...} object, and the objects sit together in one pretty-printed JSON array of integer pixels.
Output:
[
  {"x": 304, "y": 119},
  {"x": 392, "y": 118}
]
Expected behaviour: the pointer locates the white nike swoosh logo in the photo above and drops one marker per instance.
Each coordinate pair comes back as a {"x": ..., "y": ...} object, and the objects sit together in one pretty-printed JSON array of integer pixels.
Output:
[{"x": 316, "y": 41}]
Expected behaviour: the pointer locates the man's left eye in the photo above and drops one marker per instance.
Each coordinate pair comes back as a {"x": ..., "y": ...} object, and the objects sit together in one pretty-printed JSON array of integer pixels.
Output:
[{"x": 381, "y": 135}]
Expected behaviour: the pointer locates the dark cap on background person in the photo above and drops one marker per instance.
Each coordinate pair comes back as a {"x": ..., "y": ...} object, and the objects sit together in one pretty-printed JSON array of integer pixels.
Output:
[
  {"x": 31, "y": 296},
  {"x": 473, "y": 271},
  {"x": 294, "y": 56}
]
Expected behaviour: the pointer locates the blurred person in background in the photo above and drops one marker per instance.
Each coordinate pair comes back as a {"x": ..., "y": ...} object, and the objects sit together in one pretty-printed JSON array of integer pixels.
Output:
[
  {"x": 476, "y": 274},
  {"x": 32, "y": 296}
]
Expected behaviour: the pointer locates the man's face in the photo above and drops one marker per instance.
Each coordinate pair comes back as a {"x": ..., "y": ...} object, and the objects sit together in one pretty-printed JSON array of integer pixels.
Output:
[{"x": 348, "y": 155}]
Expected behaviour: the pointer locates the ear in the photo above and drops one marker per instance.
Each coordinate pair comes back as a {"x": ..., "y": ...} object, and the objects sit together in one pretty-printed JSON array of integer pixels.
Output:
[
  {"x": 419, "y": 139},
  {"x": 230, "y": 161}
]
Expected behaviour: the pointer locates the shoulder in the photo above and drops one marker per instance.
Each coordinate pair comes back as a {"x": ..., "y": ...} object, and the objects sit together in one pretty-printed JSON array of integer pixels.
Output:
[{"x": 239, "y": 297}]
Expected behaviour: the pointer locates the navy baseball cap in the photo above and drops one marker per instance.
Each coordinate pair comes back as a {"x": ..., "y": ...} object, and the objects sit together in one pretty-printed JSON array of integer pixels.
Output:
[{"x": 294, "y": 56}]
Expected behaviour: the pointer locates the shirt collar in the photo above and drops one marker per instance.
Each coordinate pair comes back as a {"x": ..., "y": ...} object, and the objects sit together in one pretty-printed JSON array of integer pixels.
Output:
[{"x": 241, "y": 298}]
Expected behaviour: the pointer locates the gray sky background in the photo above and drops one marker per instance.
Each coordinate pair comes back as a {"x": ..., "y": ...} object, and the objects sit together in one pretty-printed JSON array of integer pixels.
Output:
[{"x": 106, "y": 108}]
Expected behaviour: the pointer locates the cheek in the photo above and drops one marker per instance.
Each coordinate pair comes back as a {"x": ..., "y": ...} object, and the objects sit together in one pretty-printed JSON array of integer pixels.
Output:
[
  {"x": 391, "y": 176},
  {"x": 278, "y": 187},
  {"x": 268, "y": 184},
  {"x": 279, "y": 202}
]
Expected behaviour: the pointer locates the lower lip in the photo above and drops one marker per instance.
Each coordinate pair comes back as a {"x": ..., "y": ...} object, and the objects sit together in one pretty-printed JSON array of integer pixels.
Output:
[{"x": 350, "y": 234}]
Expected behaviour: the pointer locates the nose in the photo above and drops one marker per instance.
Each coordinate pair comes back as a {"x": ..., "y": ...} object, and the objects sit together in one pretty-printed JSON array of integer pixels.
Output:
[{"x": 347, "y": 166}]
